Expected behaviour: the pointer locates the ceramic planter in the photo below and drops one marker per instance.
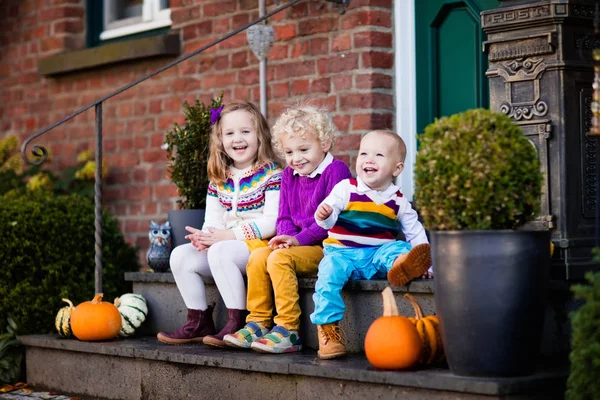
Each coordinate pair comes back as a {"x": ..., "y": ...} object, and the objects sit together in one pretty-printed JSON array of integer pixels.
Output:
[
  {"x": 179, "y": 219},
  {"x": 490, "y": 295}
]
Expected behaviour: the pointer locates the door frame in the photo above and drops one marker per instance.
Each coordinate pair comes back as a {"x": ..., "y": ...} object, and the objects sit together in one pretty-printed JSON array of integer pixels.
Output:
[{"x": 405, "y": 93}]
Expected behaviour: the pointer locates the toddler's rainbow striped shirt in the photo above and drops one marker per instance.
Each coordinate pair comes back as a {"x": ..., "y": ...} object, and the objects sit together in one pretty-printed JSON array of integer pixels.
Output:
[{"x": 364, "y": 217}]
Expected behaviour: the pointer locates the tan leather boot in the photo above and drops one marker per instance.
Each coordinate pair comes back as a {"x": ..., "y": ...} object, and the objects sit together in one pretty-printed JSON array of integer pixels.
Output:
[{"x": 332, "y": 341}]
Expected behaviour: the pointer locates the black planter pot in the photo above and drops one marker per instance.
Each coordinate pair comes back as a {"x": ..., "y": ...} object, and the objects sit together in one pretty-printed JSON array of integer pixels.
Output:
[
  {"x": 179, "y": 219},
  {"x": 490, "y": 295}
]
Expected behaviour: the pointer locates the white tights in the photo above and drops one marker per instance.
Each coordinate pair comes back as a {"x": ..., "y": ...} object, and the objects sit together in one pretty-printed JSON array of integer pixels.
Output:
[{"x": 225, "y": 261}]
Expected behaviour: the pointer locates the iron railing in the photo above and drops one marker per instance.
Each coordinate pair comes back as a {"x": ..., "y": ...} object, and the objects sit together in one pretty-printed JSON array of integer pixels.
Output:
[{"x": 40, "y": 153}]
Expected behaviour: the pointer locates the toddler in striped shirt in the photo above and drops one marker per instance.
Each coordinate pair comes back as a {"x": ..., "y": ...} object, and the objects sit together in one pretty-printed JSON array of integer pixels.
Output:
[{"x": 364, "y": 216}]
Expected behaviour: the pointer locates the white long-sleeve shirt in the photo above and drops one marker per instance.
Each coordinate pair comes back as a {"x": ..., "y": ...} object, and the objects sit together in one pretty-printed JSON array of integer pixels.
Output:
[{"x": 364, "y": 217}]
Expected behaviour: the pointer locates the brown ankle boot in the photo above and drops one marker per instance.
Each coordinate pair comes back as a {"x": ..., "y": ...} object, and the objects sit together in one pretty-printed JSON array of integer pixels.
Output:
[
  {"x": 199, "y": 324},
  {"x": 331, "y": 341},
  {"x": 409, "y": 266},
  {"x": 234, "y": 323}
]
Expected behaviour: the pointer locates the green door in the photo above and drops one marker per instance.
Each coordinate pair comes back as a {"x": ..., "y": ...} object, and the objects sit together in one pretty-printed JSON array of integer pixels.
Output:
[{"x": 450, "y": 64}]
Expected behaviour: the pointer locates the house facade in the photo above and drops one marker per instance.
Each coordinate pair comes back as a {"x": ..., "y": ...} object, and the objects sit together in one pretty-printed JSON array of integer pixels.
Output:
[{"x": 378, "y": 64}]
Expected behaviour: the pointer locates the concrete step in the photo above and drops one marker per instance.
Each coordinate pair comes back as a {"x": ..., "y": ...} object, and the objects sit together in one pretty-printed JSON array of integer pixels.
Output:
[
  {"x": 141, "y": 368},
  {"x": 167, "y": 312}
]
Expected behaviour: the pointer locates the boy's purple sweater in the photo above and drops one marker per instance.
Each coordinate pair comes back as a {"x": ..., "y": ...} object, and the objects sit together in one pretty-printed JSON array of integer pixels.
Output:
[{"x": 299, "y": 198}]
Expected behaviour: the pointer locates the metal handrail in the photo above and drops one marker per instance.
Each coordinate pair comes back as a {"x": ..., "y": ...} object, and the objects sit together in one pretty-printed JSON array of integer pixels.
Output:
[{"x": 40, "y": 153}]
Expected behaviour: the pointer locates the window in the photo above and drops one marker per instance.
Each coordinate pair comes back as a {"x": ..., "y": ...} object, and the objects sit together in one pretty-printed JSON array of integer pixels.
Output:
[{"x": 128, "y": 17}]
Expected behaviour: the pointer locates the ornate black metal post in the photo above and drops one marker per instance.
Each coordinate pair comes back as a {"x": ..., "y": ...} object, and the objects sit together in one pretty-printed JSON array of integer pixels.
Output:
[{"x": 539, "y": 78}]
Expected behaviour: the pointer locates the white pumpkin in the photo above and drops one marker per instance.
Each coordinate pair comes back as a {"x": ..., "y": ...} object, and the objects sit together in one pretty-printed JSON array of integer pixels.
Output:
[{"x": 133, "y": 311}]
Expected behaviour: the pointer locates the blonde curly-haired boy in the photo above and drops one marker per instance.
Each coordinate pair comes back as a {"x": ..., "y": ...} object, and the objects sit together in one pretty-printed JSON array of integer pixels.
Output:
[{"x": 304, "y": 135}]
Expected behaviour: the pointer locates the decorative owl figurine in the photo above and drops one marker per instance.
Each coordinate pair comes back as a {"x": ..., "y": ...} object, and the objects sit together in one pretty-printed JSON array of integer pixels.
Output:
[{"x": 160, "y": 246}]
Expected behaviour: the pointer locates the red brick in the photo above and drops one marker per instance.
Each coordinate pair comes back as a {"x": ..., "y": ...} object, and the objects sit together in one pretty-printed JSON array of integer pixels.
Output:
[
  {"x": 348, "y": 142},
  {"x": 300, "y": 87},
  {"x": 362, "y": 17},
  {"x": 197, "y": 30},
  {"x": 239, "y": 20},
  {"x": 248, "y": 77},
  {"x": 294, "y": 69},
  {"x": 280, "y": 90},
  {"x": 223, "y": 25},
  {"x": 342, "y": 122},
  {"x": 339, "y": 63},
  {"x": 220, "y": 7},
  {"x": 316, "y": 25},
  {"x": 372, "y": 3},
  {"x": 352, "y": 101},
  {"x": 372, "y": 39},
  {"x": 278, "y": 52},
  {"x": 375, "y": 59},
  {"x": 372, "y": 121},
  {"x": 285, "y": 32},
  {"x": 239, "y": 59},
  {"x": 342, "y": 43},
  {"x": 165, "y": 191},
  {"x": 300, "y": 49},
  {"x": 68, "y": 26},
  {"x": 322, "y": 85},
  {"x": 374, "y": 81}
]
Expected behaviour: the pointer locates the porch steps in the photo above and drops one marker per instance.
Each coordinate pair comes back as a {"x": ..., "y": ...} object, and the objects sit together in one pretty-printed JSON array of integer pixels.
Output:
[
  {"x": 167, "y": 312},
  {"x": 142, "y": 368}
]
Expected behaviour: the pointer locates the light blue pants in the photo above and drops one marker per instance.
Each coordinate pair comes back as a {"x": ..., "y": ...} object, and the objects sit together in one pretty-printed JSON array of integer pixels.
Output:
[{"x": 342, "y": 264}]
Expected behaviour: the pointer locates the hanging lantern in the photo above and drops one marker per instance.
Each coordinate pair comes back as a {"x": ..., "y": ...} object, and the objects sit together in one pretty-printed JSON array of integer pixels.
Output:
[{"x": 261, "y": 39}]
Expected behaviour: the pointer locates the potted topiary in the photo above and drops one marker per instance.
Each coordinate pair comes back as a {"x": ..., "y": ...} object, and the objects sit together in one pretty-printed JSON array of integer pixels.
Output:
[
  {"x": 478, "y": 181},
  {"x": 188, "y": 149}
]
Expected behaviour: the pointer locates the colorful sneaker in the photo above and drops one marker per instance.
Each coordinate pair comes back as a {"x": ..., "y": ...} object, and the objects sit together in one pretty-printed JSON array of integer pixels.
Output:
[
  {"x": 245, "y": 336},
  {"x": 279, "y": 340}
]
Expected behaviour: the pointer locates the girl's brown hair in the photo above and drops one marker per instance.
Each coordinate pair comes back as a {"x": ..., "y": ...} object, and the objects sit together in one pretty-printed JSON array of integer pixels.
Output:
[{"x": 219, "y": 161}]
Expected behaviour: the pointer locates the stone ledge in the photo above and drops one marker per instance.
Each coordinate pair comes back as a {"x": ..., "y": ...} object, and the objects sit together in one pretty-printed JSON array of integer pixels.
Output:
[
  {"x": 155, "y": 46},
  {"x": 416, "y": 286},
  {"x": 353, "y": 368}
]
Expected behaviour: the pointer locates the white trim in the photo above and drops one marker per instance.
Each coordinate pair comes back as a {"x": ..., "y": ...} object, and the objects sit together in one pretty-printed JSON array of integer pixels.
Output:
[
  {"x": 405, "y": 88},
  {"x": 152, "y": 18}
]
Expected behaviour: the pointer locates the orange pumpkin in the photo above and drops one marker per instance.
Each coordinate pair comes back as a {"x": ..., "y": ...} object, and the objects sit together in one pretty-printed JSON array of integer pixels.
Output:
[
  {"x": 392, "y": 341},
  {"x": 95, "y": 320},
  {"x": 428, "y": 329}
]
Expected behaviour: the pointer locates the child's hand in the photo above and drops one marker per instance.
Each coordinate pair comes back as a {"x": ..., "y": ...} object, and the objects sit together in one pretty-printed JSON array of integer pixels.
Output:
[
  {"x": 283, "y": 242},
  {"x": 323, "y": 212},
  {"x": 194, "y": 238},
  {"x": 212, "y": 236}
]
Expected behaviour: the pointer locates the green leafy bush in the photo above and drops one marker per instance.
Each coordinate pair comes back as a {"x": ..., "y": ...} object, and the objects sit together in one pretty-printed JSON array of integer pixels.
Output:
[
  {"x": 47, "y": 253},
  {"x": 583, "y": 383},
  {"x": 187, "y": 149},
  {"x": 476, "y": 170},
  {"x": 11, "y": 355}
]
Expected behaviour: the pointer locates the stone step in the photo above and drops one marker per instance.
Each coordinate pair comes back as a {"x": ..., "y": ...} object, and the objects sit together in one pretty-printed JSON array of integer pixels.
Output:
[
  {"x": 167, "y": 312},
  {"x": 141, "y": 368}
]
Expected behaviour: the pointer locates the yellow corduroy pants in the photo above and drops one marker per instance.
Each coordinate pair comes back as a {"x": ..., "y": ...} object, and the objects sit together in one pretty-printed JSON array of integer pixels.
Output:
[{"x": 272, "y": 281}]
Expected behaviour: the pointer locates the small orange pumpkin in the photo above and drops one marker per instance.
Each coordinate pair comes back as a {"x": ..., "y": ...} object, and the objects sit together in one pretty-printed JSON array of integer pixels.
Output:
[
  {"x": 95, "y": 320},
  {"x": 392, "y": 341},
  {"x": 428, "y": 329}
]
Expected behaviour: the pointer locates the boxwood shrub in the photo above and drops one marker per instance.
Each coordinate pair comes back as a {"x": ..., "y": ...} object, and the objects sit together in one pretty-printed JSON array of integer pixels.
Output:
[{"x": 47, "y": 253}]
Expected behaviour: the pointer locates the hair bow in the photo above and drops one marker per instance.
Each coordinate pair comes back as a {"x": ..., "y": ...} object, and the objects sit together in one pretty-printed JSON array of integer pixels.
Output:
[{"x": 215, "y": 114}]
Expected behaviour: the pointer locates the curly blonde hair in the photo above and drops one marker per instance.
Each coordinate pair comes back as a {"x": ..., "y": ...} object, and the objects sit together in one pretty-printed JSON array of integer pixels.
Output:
[
  {"x": 303, "y": 118},
  {"x": 219, "y": 161}
]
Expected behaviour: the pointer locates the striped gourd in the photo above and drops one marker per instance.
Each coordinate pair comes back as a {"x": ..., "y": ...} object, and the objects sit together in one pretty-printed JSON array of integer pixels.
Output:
[
  {"x": 428, "y": 328},
  {"x": 63, "y": 319},
  {"x": 133, "y": 311}
]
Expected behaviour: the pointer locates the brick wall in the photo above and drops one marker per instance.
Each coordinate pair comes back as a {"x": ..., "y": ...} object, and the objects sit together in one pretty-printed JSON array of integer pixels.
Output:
[{"x": 344, "y": 62}]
